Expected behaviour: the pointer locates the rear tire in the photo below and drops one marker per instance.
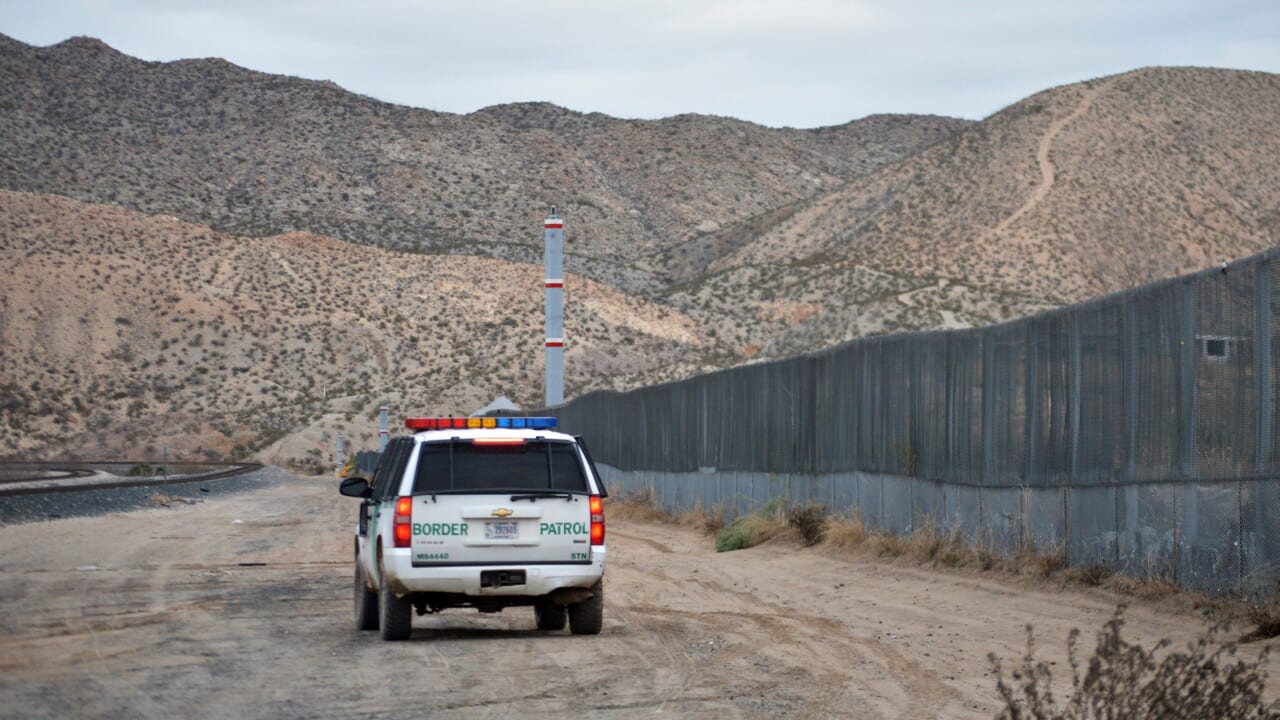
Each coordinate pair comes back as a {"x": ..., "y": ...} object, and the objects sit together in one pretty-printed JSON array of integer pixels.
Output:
[
  {"x": 587, "y": 617},
  {"x": 549, "y": 616},
  {"x": 394, "y": 614},
  {"x": 366, "y": 602}
]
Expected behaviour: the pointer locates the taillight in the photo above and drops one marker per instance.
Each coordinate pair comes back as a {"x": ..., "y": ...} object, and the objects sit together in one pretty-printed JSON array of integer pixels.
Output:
[
  {"x": 404, "y": 516},
  {"x": 597, "y": 520}
]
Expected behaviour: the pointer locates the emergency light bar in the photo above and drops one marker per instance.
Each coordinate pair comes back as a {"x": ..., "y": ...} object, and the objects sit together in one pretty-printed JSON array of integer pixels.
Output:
[{"x": 476, "y": 423}]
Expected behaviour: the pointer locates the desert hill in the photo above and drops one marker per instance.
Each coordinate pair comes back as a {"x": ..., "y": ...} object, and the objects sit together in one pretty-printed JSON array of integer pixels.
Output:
[
  {"x": 121, "y": 333},
  {"x": 257, "y": 154},
  {"x": 211, "y": 259},
  {"x": 1074, "y": 192}
]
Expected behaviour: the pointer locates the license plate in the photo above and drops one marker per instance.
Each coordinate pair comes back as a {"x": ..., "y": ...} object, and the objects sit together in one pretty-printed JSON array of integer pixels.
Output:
[{"x": 501, "y": 530}]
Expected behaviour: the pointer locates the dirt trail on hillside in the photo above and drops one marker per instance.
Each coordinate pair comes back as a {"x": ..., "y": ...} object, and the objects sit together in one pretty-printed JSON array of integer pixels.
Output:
[
  {"x": 240, "y": 607},
  {"x": 1048, "y": 173}
]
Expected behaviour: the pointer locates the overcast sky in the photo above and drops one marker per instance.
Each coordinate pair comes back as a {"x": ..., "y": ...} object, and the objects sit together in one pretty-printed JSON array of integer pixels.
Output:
[{"x": 802, "y": 63}]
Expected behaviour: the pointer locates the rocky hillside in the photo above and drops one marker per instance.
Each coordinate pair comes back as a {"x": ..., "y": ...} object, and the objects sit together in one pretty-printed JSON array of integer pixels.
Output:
[
  {"x": 255, "y": 154},
  {"x": 216, "y": 260},
  {"x": 1074, "y": 192},
  {"x": 121, "y": 333}
]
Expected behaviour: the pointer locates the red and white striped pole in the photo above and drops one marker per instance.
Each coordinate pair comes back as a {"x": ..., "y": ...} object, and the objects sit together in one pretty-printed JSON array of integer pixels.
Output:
[{"x": 553, "y": 258}]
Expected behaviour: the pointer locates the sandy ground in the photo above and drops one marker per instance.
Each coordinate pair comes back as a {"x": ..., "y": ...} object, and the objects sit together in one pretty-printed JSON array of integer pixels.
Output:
[{"x": 168, "y": 613}]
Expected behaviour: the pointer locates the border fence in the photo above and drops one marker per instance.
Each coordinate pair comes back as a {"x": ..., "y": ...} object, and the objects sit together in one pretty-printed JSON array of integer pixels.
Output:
[{"x": 1137, "y": 431}]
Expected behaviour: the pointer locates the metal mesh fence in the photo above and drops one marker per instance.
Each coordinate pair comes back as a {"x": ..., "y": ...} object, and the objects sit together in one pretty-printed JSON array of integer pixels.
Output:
[{"x": 1136, "y": 431}]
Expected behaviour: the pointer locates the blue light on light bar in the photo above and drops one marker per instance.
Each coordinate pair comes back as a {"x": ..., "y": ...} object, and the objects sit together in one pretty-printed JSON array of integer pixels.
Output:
[{"x": 530, "y": 423}]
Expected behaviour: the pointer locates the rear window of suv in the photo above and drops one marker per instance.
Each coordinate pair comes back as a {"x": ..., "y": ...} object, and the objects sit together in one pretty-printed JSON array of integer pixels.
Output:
[{"x": 459, "y": 466}]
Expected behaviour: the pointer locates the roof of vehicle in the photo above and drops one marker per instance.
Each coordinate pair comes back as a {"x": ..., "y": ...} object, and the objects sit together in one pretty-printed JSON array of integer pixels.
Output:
[{"x": 470, "y": 433}]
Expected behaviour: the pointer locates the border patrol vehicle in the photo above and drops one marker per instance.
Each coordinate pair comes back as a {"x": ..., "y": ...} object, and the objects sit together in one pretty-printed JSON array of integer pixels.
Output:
[{"x": 485, "y": 513}]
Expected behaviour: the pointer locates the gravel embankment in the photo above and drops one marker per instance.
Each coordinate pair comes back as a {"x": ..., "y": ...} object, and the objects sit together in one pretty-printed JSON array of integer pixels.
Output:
[{"x": 33, "y": 508}]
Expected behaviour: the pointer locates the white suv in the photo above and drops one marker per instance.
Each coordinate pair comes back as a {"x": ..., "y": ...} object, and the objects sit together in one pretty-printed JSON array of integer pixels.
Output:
[{"x": 487, "y": 513}]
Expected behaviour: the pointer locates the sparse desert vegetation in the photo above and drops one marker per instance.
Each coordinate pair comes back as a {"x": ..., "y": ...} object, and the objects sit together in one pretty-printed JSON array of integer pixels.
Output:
[
  {"x": 1125, "y": 679},
  {"x": 227, "y": 263},
  {"x": 125, "y": 333}
]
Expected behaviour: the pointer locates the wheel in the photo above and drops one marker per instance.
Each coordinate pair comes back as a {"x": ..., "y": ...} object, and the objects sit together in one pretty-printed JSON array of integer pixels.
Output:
[
  {"x": 394, "y": 618},
  {"x": 549, "y": 617},
  {"x": 587, "y": 617},
  {"x": 366, "y": 602}
]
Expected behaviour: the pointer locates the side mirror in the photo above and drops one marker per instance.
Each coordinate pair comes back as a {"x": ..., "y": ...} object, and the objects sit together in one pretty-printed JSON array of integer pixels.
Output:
[{"x": 355, "y": 487}]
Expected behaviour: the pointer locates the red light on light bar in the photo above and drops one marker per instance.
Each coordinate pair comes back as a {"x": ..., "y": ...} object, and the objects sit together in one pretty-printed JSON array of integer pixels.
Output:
[{"x": 476, "y": 423}]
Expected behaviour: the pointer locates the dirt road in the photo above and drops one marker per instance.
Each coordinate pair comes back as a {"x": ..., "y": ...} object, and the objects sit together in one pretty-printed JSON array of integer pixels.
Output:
[{"x": 170, "y": 612}]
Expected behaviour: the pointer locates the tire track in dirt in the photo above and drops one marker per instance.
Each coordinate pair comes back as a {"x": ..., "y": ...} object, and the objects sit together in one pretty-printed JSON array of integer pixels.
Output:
[
  {"x": 810, "y": 649},
  {"x": 167, "y": 626}
]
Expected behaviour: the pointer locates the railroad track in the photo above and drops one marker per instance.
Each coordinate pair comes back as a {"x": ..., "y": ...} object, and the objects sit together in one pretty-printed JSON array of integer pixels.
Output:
[{"x": 53, "y": 471}]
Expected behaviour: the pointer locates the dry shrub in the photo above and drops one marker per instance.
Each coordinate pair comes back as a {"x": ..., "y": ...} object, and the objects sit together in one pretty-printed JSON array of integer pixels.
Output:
[
  {"x": 920, "y": 546},
  {"x": 924, "y": 543},
  {"x": 1153, "y": 588},
  {"x": 1127, "y": 680},
  {"x": 1091, "y": 575},
  {"x": 747, "y": 531},
  {"x": 845, "y": 532},
  {"x": 751, "y": 530},
  {"x": 984, "y": 557},
  {"x": 955, "y": 552},
  {"x": 808, "y": 522},
  {"x": 1266, "y": 618},
  {"x": 893, "y": 545},
  {"x": 708, "y": 523},
  {"x": 1051, "y": 562},
  {"x": 1031, "y": 561}
]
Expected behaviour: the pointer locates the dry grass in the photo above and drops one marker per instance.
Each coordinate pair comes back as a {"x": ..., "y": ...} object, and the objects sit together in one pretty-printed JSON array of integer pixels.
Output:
[
  {"x": 707, "y": 523},
  {"x": 640, "y": 506},
  {"x": 845, "y": 535},
  {"x": 643, "y": 507},
  {"x": 1091, "y": 575},
  {"x": 927, "y": 545}
]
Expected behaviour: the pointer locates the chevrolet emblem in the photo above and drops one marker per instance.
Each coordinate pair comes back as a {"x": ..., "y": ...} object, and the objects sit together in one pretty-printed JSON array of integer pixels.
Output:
[{"x": 502, "y": 512}]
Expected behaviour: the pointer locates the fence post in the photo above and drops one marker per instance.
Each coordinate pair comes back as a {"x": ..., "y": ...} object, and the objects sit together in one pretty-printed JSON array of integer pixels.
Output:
[
  {"x": 1131, "y": 520},
  {"x": 1187, "y": 415},
  {"x": 1131, "y": 388},
  {"x": 1262, "y": 365},
  {"x": 1073, "y": 391},
  {"x": 988, "y": 409},
  {"x": 1262, "y": 391},
  {"x": 1031, "y": 365}
]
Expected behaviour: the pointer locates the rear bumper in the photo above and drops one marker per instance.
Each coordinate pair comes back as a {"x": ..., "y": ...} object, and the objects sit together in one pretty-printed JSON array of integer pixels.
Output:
[{"x": 404, "y": 578}]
